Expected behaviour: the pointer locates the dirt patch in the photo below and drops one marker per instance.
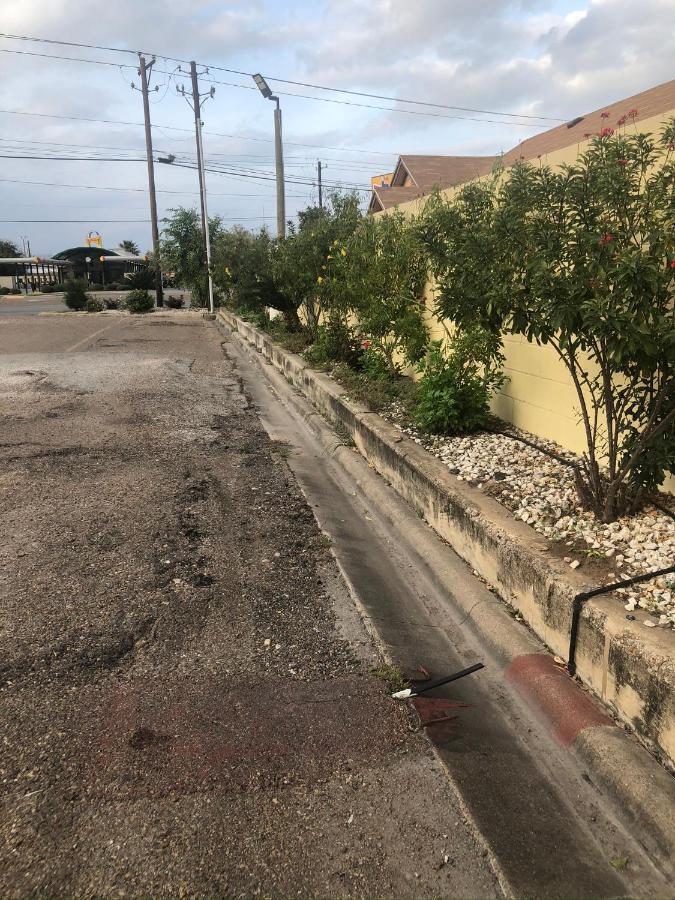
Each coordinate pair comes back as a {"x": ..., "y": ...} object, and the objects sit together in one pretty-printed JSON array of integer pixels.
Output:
[{"x": 183, "y": 715}]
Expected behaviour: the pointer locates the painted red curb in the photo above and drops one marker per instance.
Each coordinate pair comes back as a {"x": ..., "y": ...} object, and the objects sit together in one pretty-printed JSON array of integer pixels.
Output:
[{"x": 568, "y": 709}]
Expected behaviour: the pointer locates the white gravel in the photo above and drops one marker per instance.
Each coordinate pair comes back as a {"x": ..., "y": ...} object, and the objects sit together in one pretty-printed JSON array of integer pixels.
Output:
[{"x": 540, "y": 490}]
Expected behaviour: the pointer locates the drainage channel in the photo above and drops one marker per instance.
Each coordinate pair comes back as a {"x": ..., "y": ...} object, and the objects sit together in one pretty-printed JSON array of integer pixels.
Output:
[{"x": 547, "y": 829}]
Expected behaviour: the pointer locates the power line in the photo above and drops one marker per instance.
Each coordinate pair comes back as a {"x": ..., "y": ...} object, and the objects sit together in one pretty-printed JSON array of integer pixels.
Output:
[
  {"x": 246, "y": 87},
  {"x": 409, "y": 112},
  {"x": 319, "y": 87},
  {"x": 23, "y": 37},
  {"x": 73, "y": 221},
  {"x": 93, "y": 187},
  {"x": 75, "y": 158},
  {"x": 27, "y": 144},
  {"x": 238, "y": 137},
  {"x": 240, "y": 172},
  {"x": 115, "y": 221},
  {"x": 96, "y": 62},
  {"x": 322, "y": 87}
]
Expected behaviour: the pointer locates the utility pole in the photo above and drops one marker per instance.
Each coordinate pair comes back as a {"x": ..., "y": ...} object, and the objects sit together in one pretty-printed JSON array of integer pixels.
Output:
[
  {"x": 279, "y": 157},
  {"x": 198, "y": 130},
  {"x": 143, "y": 70},
  {"x": 196, "y": 105},
  {"x": 318, "y": 169}
]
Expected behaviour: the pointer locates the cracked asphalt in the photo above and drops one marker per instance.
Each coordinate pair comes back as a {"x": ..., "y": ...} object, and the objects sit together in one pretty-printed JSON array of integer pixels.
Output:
[{"x": 186, "y": 691}]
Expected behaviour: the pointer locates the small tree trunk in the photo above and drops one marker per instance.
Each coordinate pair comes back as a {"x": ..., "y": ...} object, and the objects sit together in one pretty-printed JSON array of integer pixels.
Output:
[{"x": 292, "y": 319}]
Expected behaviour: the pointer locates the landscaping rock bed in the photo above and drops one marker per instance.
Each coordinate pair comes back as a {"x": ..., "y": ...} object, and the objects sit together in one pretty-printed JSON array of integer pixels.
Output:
[{"x": 539, "y": 489}]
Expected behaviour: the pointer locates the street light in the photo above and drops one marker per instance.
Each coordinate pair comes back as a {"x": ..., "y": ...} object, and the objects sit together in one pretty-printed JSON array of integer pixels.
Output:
[{"x": 266, "y": 91}]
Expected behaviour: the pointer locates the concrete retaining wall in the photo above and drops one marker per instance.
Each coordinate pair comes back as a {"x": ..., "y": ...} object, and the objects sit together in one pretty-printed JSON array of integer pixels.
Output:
[{"x": 631, "y": 668}]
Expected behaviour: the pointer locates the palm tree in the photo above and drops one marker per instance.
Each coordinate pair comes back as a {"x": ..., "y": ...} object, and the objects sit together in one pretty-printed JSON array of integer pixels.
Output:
[{"x": 129, "y": 247}]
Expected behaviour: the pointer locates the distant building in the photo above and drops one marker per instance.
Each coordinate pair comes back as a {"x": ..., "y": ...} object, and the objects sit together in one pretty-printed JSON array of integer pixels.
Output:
[{"x": 96, "y": 270}]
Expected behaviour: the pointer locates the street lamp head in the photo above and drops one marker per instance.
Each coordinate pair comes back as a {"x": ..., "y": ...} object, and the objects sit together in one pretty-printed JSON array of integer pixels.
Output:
[{"x": 263, "y": 86}]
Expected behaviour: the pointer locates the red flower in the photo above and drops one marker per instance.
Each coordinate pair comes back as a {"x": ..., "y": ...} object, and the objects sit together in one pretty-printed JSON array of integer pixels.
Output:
[
  {"x": 607, "y": 238},
  {"x": 672, "y": 264},
  {"x": 587, "y": 134},
  {"x": 671, "y": 146},
  {"x": 604, "y": 115},
  {"x": 622, "y": 162},
  {"x": 366, "y": 344},
  {"x": 622, "y": 121},
  {"x": 606, "y": 132},
  {"x": 632, "y": 113}
]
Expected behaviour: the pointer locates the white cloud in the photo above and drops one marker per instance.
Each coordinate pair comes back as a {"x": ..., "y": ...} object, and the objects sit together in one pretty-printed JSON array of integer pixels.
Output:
[{"x": 545, "y": 57}]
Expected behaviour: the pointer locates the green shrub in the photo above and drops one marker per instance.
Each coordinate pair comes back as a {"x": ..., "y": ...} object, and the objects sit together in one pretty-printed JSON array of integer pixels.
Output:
[
  {"x": 142, "y": 279},
  {"x": 259, "y": 318},
  {"x": 5, "y": 290},
  {"x": 291, "y": 340},
  {"x": 374, "y": 363},
  {"x": 75, "y": 294},
  {"x": 455, "y": 389},
  {"x": 112, "y": 302},
  {"x": 95, "y": 286},
  {"x": 173, "y": 302},
  {"x": 47, "y": 288},
  {"x": 94, "y": 305},
  {"x": 335, "y": 342},
  {"x": 139, "y": 302}
]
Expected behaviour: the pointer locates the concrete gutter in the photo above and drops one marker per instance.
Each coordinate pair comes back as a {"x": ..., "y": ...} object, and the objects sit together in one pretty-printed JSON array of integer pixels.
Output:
[{"x": 628, "y": 667}]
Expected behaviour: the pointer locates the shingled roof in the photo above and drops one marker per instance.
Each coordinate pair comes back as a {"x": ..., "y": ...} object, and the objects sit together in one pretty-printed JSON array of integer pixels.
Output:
[
  {"x": 429, "y": 172},
  {"x": 384, "y": 197},
  {"x": 656, "y": 100},
  {"x": 416, "y": 176}
]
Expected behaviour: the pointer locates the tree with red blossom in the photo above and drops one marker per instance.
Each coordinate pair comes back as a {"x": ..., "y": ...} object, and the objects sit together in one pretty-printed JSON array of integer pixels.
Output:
[{"x": 582, "y": 258}]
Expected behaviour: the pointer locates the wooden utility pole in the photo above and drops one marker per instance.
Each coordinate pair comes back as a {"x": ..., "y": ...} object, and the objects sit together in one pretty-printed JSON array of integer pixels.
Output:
[
  {"x": 143, "y": 70},
  {"x": 197, "y": 107},
  {"x": 198, "y": 128},
  {"x": 318, "y": 169}
]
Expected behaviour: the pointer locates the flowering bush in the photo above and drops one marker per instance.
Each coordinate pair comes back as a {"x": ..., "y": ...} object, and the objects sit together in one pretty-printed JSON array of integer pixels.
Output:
[
  {"x": 381, "y": 280},
  {"x": 580, "y": 259}
]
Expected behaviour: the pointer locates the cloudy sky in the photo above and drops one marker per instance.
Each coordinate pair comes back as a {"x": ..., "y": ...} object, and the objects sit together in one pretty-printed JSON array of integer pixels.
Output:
[{"x": 538, "y": 58}]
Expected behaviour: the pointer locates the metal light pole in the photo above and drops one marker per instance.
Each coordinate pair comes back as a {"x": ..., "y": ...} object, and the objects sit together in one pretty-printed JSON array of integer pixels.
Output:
[{"x": 265, "y": 90}]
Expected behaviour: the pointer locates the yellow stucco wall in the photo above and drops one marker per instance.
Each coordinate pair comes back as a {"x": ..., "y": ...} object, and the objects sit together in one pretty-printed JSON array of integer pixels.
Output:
[{"x": 539, "y": 395}]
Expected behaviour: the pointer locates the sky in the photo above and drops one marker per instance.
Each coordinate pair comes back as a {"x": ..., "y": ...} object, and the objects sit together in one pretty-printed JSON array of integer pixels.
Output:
[{"x": 550, "y": 60}]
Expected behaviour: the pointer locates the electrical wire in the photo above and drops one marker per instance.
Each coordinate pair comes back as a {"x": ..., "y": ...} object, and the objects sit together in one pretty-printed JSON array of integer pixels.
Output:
[
  {"x": 319, "y": 87},
  {"x": 190, "y": 131},
  {"x": 269, "y": 160},
  {"x": 115, "y": 221},
  {"x": 247, "y": 87},
  {"x": 143, "y": 190}
]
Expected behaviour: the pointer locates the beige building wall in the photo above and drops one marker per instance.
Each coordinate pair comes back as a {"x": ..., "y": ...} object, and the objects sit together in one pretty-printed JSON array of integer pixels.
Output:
[{"x": 539, "y": 395}]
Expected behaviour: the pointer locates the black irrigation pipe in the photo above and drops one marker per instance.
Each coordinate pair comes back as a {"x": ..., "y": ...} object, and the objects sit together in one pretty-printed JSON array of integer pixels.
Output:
[{"x": 580, "y": 599}]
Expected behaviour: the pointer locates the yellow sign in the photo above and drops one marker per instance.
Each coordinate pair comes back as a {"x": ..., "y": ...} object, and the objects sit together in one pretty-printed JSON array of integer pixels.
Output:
[{"x": 93, "y": 239}]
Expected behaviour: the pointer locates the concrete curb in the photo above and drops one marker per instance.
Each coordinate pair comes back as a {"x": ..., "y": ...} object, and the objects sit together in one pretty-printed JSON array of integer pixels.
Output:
[{"x": 484, "y": 534}]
